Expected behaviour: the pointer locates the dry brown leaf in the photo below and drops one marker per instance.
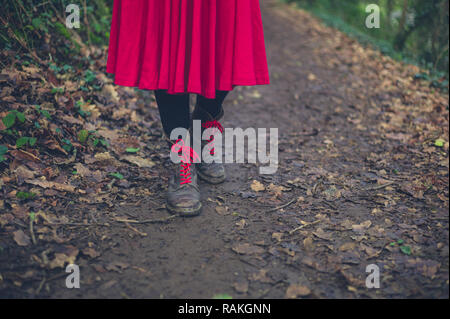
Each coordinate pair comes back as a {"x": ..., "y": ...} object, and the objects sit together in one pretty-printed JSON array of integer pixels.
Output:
[
  {"x": 277, "y": 236},
  {"x": 91, "y": 252},
  {"x": 92, "y": 109},
  {"x": 222, "y": 210},
  {"x": 68, "y": 256},
  {"x": 72, "y": 120},
  {"x": 241, "y": 287},
  {"x": 82, "y": 170},
  {"x": 24, "y": 173},
  {"x": 21, "y": 238},
  {"x": 361, "y": 227},
  {"x": 247, "y": 249},
  {"x": 277, "y": 189},
  {"x": 347, "y": 246},
  {"x": 295, "y": 291},
  {"x": 110, "y": 92},
  {"x": 139, "y": 161},
  {"x": 261, "y": 276},
  {"x": 312, "y": 77},
  {"x": 257, "y": 186},
  {"x": 320, "y": 233},
  {"x": 48, "y": 184},
  {"x": 103, "y": 157},
  {"x": 241, "y": 224},
  {"x": 308, "y": 243}
]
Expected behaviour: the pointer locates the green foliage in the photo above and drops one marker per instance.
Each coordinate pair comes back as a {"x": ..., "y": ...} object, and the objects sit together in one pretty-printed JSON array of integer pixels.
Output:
[
  {"x": 413, "y": 30},
  {"x": 43, "y": 112},
  {"x": 24, "y": 140},
  {"x": 100, "y": 141},
  {"x": 406, "y": 250},
  {"x": 67, "y": 144},
  {"x": 3, "y": 151},
  {"x": 10, "y": 119},
  {"x": 116, "y": 175},
  {"x": 89, "y": 76},
  {"x": 83, "y": 135},
  {"x": 439, "y": 142},
  {"x": 222, "y": 296},
  {"x": 25, "y": 195},
  {"x": 57, "y": 90},
  {"x": 30, "y": 20},
  {"x": 132, "y": 150}
]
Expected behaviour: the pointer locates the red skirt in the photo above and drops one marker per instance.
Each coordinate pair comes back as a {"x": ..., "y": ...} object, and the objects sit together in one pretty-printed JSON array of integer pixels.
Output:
[{"x": 195, "y": 46}]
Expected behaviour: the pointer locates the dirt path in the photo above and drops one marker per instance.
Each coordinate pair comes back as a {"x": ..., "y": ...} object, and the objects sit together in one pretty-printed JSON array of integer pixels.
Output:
[{"x": 351, "y": 165}]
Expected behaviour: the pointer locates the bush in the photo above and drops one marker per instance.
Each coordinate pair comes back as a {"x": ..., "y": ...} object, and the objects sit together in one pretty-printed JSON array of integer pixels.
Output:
[{"x": 416, "y": 30}]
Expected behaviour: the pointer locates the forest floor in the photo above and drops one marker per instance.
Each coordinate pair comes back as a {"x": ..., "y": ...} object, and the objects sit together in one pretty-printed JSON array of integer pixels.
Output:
[{"x": 362, "y": 179}]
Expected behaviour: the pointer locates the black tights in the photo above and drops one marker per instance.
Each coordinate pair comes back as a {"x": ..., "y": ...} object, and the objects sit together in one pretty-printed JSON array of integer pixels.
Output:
[{"x": 174, "y": 109}]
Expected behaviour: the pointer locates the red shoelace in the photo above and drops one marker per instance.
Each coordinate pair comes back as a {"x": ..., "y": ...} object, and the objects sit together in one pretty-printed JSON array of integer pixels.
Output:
[
  {"x": 188, "y": 157},
  {"x": 212, "y": 124}
]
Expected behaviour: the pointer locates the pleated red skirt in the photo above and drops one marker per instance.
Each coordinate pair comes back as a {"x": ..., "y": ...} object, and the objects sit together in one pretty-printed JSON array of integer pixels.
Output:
[{"x": 195, "y": 46}]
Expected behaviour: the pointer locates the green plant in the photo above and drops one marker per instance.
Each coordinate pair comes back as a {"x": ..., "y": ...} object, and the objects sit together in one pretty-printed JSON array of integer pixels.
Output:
[
  {"x": 10, "y": 119},
  {"x": 3, "y": 151}
]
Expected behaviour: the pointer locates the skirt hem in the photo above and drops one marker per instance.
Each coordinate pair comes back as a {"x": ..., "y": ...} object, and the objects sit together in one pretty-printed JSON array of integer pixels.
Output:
[{"x": 190, "y": 89}]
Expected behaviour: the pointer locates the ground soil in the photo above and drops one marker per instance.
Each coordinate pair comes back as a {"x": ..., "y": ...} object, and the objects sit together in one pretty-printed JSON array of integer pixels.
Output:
[{"x": 344, "y": 174}]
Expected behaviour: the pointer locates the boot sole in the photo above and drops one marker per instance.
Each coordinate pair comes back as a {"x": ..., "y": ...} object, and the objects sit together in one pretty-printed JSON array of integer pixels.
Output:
[
  {"x": 211, "y": 180},
  {"x": 185, "y": 212}
]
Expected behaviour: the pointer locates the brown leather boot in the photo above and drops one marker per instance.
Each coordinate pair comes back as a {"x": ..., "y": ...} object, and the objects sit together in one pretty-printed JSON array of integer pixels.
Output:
[
  {"x": 213, "y": 173},
  {"x": 183, "y": 195}
]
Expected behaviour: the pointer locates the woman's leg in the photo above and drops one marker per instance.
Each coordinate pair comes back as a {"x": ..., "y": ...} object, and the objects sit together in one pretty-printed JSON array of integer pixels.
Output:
[
  {"x": 183, "y": 196},
  {"x": 212, "y": 106},
  {"x": 209, "y": 111},
  {"x": 173, "y": 109}
]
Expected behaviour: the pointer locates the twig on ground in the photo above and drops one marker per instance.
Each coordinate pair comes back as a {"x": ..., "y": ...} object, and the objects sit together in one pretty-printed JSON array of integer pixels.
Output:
[
  {"x": 118, "y": 220},
  {"x": 329, "y": 204},
  {"x": 282, "y": 206},
  {"x": 303, "y": 226},
  {"x": 41, "y": 284},
  {"x": 33, "y": 238},
  {"x": 379, "y": 186},
  {"x": 136, "y": 230},
  {"x": 146, "y": 221}
]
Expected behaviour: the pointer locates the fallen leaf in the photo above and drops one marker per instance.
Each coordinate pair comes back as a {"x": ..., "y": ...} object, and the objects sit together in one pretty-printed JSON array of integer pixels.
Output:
[
  {"x": 241, "y": 287},
  {"x": 222, "y": 210},
  {"x": 21, "y": 238},
  {"x": 104, "y": 157},
  {"x": 320, "y": 233},
  {"x": 257, "y": 186},
  {"x": 277, "y": 236},
  {"x": 110, "y": 92},
  {"x": 361, "y": 227},
  {"x": 24, "y": 173},
  {"x": 261, "y": 276},
  {"x": 139, "y": 161},
  {"x": 347, "y": 246},
  {"x": 68, "y": 255},
  {"x": 241, "y": 224},
  {"x": 277, "y": 189},
  {"x": 48, "y": 184},
  {"x": 308, "y": 243},
  {"x": 82, "y": 170},
  {"x": 247, "y": 249},
  {"x": 91, "y": 252},
  {"x": 295, "y": 291}
]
